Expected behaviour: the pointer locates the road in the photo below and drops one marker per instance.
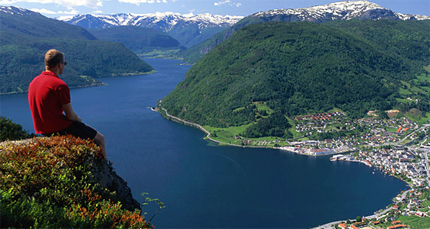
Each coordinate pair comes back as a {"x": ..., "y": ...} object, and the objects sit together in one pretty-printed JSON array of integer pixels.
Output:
[{"x": 427, "y": 166}]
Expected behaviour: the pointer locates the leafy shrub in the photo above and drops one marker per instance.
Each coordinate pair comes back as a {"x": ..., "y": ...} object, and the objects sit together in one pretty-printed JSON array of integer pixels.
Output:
[
  {"x": 49, "y": 183},
  {"x": 11, "y": 131}
]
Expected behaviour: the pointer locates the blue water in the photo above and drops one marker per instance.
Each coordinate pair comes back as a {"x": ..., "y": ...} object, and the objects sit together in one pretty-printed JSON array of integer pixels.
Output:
[{"x": 204, "y": 185}]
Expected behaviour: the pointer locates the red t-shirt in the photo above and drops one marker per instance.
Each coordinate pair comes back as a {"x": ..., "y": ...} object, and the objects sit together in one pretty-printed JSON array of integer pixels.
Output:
[{"x": 46, "y": 95}]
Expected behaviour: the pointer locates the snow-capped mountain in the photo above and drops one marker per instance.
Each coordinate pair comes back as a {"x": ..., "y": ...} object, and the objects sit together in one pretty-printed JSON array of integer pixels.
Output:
[
  {"x": 188, "y": 29},
  {"x": 15, "y": 10},
  {"x": 344, "y": 10},
  {"x": 161, "y": 21}
]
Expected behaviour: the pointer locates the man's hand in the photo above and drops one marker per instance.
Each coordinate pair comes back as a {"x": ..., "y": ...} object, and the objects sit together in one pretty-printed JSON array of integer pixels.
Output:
[{"x": 70, "y": 114}]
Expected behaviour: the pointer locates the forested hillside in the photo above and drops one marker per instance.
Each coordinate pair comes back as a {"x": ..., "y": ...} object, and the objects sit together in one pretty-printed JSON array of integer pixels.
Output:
[
  {"x": 336, "y": 11},
  {"x": 137, "y": 39},
  {"x": 300, "y": 68},
  {"x": 25, "y": 37}
]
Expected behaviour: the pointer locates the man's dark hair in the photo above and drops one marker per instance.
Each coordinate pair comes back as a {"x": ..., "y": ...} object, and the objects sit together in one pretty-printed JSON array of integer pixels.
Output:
[{"x": 53, "y": 57}]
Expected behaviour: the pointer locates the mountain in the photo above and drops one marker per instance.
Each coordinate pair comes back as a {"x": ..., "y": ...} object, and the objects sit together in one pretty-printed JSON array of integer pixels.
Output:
[
  {"x": 20, "y": 24},
  {"x": 187, "y": 29},
  {"x": 345, "y": 10},
  {"x": 301, "y": 68},
  {"x": 137, "y": 39},
  {"x": 25, "y": 36}
]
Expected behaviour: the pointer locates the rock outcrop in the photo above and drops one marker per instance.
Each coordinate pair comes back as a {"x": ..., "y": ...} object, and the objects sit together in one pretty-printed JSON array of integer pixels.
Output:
[{"x": 101, "y": 170}]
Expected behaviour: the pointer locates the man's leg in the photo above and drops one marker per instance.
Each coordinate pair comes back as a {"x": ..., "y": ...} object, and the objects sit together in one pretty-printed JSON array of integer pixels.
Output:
[
  {"x": 99, "y": 139},
  {"x": 84, "y": 131}
]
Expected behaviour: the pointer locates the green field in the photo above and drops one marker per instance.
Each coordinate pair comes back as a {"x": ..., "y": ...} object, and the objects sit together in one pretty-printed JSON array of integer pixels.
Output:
[
  {"x": 227, "y": 135},
  {"x": 415, "y": 221}
]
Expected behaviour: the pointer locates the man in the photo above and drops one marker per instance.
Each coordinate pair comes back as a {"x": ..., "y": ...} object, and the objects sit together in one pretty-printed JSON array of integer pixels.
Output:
[{"x": 49, "y": 97}]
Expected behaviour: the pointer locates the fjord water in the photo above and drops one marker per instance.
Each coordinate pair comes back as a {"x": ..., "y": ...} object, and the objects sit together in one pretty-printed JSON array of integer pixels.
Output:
[{"x": 204, "y": 185}]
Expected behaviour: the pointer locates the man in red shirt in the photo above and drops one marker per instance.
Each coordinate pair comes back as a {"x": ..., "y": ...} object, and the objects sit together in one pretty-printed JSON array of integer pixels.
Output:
[{"x": 49, "y": 97}]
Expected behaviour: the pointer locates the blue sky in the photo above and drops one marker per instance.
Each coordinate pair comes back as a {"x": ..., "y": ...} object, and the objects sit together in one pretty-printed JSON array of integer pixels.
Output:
[{"x": 57, "y": 8}]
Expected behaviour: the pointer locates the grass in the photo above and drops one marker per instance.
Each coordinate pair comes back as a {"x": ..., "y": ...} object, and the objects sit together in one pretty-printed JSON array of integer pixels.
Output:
[
  {"x": 422, "y": 119},
  {"x": 426, "y": 203},
  {"x": 238, "y": 109},
  {"x": 262, "y": 106},
  {"x": 227, "y": 136},
  {"x": 391, "y": 129},
  {"x": 423, "y": 76},
  {"x": 415, "y": 221},
  {"x": 166, "y": 54}
]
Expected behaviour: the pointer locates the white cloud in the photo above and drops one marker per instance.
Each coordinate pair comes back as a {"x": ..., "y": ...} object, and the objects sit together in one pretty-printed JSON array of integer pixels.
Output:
[
  {"x": 6, "y": 2},
  {"x": 221, "y": 3},
  {"x": 43, "y": 11},
  {"x": 98, "y": 12},
  {"x": 67, "y": 3},
  {"x": 228, "y": 2},
  {"x": 138, "y": 2},
  {"x": 71, "y": 12}
]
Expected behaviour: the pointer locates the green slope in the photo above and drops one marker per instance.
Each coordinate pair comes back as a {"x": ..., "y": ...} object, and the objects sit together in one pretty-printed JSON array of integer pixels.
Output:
[
  {"x": 25, "y": 38},
  {"x": 138, "y": 39},
  {"x": 295, "y": 68}
]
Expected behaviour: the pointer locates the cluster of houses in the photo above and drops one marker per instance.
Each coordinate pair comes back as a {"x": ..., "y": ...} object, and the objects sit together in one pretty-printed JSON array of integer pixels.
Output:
[
  {"x": 320, "y": 116},
  {"x": 413, "y": 205},
  {"x": 395, "y": 224},
  {"x": 376, "y": 134},
  {"x": 254, "y": 142},
  {"x": 317, "y": 122},
  {"x": 315, "y": 148},
  {"x": 407, "y": 163},
  {"x": 410, "y": 163}
]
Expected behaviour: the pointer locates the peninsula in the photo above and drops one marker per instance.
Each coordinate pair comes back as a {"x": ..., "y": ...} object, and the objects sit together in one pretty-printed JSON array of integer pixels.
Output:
[{"x": 396, "y": 146}]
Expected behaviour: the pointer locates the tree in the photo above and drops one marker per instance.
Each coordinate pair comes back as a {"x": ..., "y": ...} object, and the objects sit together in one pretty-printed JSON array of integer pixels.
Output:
[
  {"x": 11, "y": 131},
  {"x": 358, "y": 219}
]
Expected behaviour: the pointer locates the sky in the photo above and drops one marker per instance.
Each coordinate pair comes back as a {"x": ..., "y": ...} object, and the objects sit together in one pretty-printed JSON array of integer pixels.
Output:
[{"x": 58, "y": 8}]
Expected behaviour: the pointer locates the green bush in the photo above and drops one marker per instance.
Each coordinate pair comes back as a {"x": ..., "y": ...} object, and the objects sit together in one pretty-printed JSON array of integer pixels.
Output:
[
  {"x": 11, "y": 131},
  {"x": 49, "y": 184}
]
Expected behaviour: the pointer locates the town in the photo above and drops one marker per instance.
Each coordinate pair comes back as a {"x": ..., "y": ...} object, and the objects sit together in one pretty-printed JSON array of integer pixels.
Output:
[{"x": 397, "y": 146}]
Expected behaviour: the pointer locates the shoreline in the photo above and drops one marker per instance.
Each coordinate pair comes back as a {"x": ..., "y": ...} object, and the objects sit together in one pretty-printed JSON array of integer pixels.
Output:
[
  {"x": 181, "y": 121},
  {"x": 89, "y": 85},
  {"x": 288, "y": 149},
  {"x": 285, "y": 148}
]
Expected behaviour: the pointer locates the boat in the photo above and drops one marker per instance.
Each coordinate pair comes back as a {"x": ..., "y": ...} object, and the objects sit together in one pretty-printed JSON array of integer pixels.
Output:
[{"x": 336, "y": 157}]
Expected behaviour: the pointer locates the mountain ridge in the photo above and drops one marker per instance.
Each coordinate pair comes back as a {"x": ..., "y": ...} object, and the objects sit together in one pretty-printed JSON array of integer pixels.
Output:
[
  {"x": 344, "y": 10},
  {"x": 305, "y": 68},
  {"x": 25, "y": 37},
  {"x": 138, "y": 39},
  {"x": 17, "y": 10},
  {"x": 188, "y": 29},
  {"x": 165, "y": 21}
]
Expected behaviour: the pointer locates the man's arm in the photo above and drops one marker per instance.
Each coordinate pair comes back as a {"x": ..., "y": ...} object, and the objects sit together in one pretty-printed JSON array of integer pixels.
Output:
[{"x": 70, "y": 114}]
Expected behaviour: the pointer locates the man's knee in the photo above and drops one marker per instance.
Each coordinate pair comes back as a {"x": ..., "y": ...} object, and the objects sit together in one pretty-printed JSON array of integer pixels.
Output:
[{"x": 99, "y": 138}]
